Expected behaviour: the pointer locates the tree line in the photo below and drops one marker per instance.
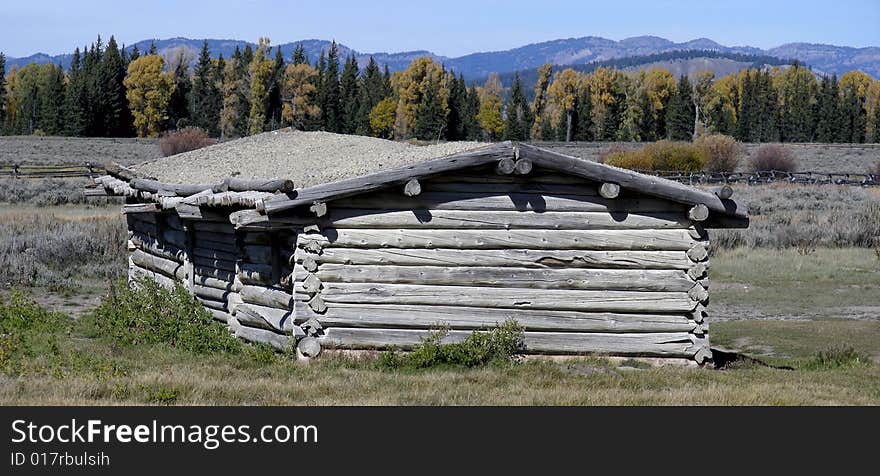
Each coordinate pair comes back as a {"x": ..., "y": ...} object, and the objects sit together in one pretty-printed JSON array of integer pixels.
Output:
[{"x": 109, "y": 92}]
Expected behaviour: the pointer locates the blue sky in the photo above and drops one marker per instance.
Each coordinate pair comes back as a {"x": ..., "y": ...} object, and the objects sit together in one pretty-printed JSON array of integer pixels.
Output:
[{"x": 460, "y": 27}]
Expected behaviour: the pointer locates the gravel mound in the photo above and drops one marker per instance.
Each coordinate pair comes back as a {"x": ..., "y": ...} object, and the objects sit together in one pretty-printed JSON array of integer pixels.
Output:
[{"x": 307, "y": 158}]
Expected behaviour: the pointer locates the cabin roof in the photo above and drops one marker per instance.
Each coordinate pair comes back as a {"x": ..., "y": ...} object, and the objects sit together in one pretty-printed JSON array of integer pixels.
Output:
[
  {"x": 306, "y": 158},
  {"x": 256, "y": 194}
]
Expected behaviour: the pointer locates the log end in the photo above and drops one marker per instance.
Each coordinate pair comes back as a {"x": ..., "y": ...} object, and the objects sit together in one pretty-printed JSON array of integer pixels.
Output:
[{"x": 609, "y": 190}]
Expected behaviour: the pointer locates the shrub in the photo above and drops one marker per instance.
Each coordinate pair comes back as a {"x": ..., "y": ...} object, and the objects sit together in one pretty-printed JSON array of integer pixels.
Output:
[
  {"x": 184, "y": 140},
  {"x": 722, "y": 153},
  {"x": 772, "y": 157},
  {"x": 837, "y": 358},
  {"x": 875, "y": 170},
  {"x": 614, "y": 149},
  {"x": 679, "y": 156},
  {"x": 633, "y": 160},
  {"x": 499, "y": 345},
  {"x": 147, "y": 313},
  {"x": 26, "y": 332}
]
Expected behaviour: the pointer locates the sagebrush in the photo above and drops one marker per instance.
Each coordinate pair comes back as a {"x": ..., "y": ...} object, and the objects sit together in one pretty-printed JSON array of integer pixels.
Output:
[
  {"x": 773, "y": 157},
  {"x": 184, "y": 140},
  {"x": 723, "y": 153},
  {"x": 499, "y": 345}
]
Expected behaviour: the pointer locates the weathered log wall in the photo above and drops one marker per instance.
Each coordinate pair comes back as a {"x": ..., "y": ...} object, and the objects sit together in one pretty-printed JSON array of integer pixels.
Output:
[
  {"x": 582, "y": 270},
  {"x": 581, "y": 273}
]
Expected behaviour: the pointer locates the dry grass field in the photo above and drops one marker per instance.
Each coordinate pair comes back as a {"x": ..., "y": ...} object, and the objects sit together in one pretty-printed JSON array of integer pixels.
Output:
[{"x": 793, "y": 291}]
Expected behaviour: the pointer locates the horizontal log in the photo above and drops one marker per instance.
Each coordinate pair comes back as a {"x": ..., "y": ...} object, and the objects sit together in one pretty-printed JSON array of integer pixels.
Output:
[
  {"x": 514, "y": 201},
  {"x": 174, "y": 237},
  {"x": 280, "y": 342},
  {"x": 219, "y": 315},
  {"x": 213, "y": 303},
  {"x": 210, "y": 292},
  {"x": 256, "y": 274},
  {"x": 213, "y": 253},
  {"x": 220, "y": 284},
  {"x": 486, "y": 174},
  {"x": 514, "y": 258},
  {"x": 140, "y": 208},
  {"x": 601, "y": 279},
  {"x": 396, "y": 176},
  {"x": 181, "y": 190},
  {"x": 266, "y": 317},
  {"x": 227, "y": 245},
  {"x": 628, "y": 179},
  {"x": 671, "y": 344},
  {"x": 136, "y": 272},
  {"x": 501, "y": 220},
  {"x": 670, "y": 240},
  {"x": 152, "y": 246},
  {"x": 142, "y": 226},
  {"x": 510, "y": 298},
  {"x": 171, "y": 268},
  {"x": 256, "y": 238},
  {"x": 213, "y": 273},
  {"x": 266, "y": 297},
  {"x": 173, "y": 221},
  {"x": 259, "y": 185},
  {"x": 423, "y": 317},
  {"x": 508, "y": 188},
  {"x": 214, "y": 263}
]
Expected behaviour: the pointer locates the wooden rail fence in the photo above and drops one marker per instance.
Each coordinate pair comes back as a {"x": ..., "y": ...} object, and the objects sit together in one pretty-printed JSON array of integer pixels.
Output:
[{"x": 27, "y": 171}]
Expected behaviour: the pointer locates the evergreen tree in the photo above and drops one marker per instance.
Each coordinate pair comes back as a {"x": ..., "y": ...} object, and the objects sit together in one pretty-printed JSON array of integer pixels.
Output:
[
  {"x": 52, "y": 102},
  {"x": 430, "y": 120},
  {"x": 456, "y": 128},
  {"x": 828, "y": 116},
  {"x": 273, "y": 112},
  {"x": 349, "y": 96},
  {"x": 584, "y": 114},
  {"x": 854, "y": 115},
  {"x": 518, "y": 120},
  {"x": 680, "y": 114},
  {"x": 299, "y": 55},
  {"x": 117, "y": 118},
  {"x": 471, "y": 126},
  {"x": 746, "y": 110},
  {"x": 330, "y": 107},
  {"x": 372, "y": 91},
  {"x": 242, "y": 61},
  {"x": 178, "y": 108},
  {"x": 541, "y": 128},
  {"x": 206, "y": 99},
  {"x": 316, "y": 122},
  {"x": 135, "y": 54},
  {"x": 74, "y": 108},
  {"x": 152, "y": 50}
]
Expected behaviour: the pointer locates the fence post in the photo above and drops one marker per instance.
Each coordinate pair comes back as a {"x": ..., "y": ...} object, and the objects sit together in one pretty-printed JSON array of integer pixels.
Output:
[{"x": 14, "y": 170}]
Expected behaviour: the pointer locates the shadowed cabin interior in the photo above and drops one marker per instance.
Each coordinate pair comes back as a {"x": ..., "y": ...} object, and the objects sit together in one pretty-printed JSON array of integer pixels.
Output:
[{"x": 588, "y": 258}]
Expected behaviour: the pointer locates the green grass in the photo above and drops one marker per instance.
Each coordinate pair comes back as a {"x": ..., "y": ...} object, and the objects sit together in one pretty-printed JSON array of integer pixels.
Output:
[{"x": 825, "y": 283}]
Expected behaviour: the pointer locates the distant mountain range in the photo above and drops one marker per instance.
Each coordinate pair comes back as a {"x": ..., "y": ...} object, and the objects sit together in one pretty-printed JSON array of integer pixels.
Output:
[{"x": 572, "y": 51}]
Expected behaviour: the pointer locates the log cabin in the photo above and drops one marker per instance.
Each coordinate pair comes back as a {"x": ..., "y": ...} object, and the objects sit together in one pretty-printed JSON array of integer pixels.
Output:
[{"x": 587, "y": 258}]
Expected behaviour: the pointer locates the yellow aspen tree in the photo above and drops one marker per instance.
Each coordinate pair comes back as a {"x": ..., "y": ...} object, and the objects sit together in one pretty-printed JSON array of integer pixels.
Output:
[
  {"x": 382, "y": 118},
  {"x": 299, "y": 95},
  {"x": 539, "y": 105},
  {"x": 489, "y": 115},
  {"x": 148, "y": 90},
  {"x": 260, "y": 69},
  {"x": 563, "y": 93},
  {"x": 229, "y": 91},
  {"x": 409, "y": 86}
]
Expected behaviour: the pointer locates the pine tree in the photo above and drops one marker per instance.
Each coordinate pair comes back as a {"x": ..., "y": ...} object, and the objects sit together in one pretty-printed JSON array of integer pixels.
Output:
[
  {"x": 206, "y": 100},
  {"x": 828, "y": 116},
  {"x": 372, "y": 91},
  {"x": 458, "y": 104},
  {"x": 2, "y": 93},
  {"x": 273, "y": 112},
  {"x": 117, "y": 118},
  {"x": 470, "y": 118},
  {"x": 680, "y": 114},
  {"x": 854, "y": 117},
  {"x": 316, "y": 122},
  {"x": 299, "y": 55},
  {"x": 75, "y": 121},
  {"x": 429, "y": 117},
  {"x": 52, "y": 102},
  {"x": 584, "y": 114},
  {"x": 745, "y": 110},
  {"x": 135, "y": 54},
  {"x": 178, "y": 108},
  {"x": 349, "y": 96},
  {"x": 152, "y": 50},
  {"x": 242, "y": 61},
  {"x": 518, "y": 120},
  {"x": 330, "y": 106}
]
